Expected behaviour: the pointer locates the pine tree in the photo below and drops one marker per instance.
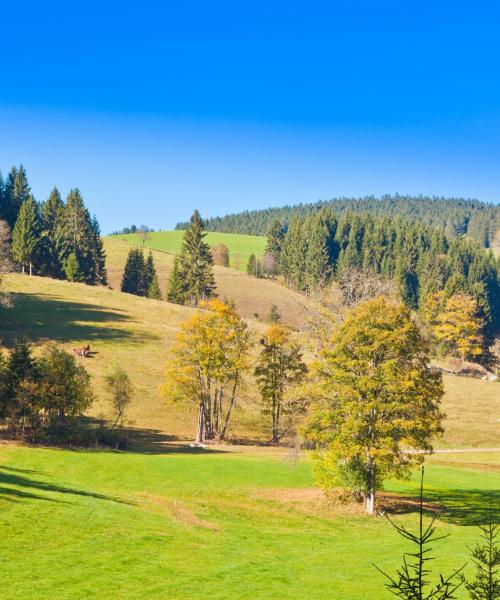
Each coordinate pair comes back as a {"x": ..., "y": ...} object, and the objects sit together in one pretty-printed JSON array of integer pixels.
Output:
[
  {"x": 486, "y": 558},
  {"x": 51, "y": 240},
  {"x": 176, "y": 288},
  {"x": 196, "y": 263},
  {"x": 275, "y": 235},
  {"x": 134, "y": 273},
  {"x": 98, "y": 253},
  {"x": 154, "y": 291},
  {"x": 78, "y": 237},
  {"x": 253, "y": 266},
  {"x": 71, "y": 268},
  {"x": 26, "y": 235},
  {"x": 149, "y": 271},
  {"x": 16, "y": 192}
]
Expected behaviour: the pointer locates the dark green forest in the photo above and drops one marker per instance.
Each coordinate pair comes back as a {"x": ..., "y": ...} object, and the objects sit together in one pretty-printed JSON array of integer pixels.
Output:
[
  {"x": 55, "y": 238},
  {"x": 454, "y": 216}
]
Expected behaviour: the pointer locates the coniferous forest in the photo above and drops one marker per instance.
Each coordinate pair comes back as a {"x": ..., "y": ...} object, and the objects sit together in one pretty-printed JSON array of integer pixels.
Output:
[
  {"x": 454, "y": 216},
  {"x": 54, "y": 238}
]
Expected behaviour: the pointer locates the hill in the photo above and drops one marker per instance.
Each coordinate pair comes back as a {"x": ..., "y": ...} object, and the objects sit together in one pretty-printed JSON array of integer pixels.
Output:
[
  {"x": 240, "y": 246},
  {"x": 137, "y": 333},
  {"x": 454, "y": 216},
  {"x": 253, "y": 297}
]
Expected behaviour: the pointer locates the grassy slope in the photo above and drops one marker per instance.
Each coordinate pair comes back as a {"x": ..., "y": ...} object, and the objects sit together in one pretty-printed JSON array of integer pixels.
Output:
[
  {"x": 240, "y": 246},
  {"x": 251, "y": 296},
  {"x": 137, "y": 333},
  {"x": 191, "y": 526}
]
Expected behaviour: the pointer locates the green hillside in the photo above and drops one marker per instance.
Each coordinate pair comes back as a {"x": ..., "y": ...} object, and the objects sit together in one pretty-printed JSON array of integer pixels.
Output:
[{"x": 240, "y": 246}]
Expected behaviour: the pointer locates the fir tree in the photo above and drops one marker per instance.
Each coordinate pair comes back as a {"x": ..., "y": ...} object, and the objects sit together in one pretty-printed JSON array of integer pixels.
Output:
[
  {"x": 16, "y": 192},
  {"x": 134, "y": 272},
  {"x": 176, "y": 288},
  {"x": 78, "y": 238},
  {"x": 25, "y": 236},
  {"x": 253, "y": 266},
  {"x": 486, "y": 558},
  {"x": 154, "y": 291},
  {"x": 196, "y": 263},
  {"x": 275, "y": 235},
  {"x": 51, "y": 241},
  {"x": 98, "y": 253},
  {"x": 71, "y": 268},
  {"x": 149, "y": 271}
]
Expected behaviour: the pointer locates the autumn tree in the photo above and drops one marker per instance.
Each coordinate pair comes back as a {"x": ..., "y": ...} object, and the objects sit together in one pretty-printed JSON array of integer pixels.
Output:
[
  {"x": 220, "y": 254},
  {"x": 279, "y": 366},
  {"x": 209, "y": 358},
  {"x": 458, "y": 326},
  {"x": 120, "y": 390},
  {"x": 374, "y": 398}
]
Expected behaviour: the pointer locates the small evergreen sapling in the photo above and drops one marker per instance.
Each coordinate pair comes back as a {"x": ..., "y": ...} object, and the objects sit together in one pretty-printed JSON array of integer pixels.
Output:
[
  {"x": 411, "y": 581},
  {"x": 486, "y": 559}
]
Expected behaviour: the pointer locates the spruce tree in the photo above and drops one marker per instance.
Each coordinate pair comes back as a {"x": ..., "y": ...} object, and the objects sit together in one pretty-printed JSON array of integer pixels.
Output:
[
  {"x": 154, "y": 291},
  {"x": 486, "y": 559},
  {"x": 25, "y": 236},
  {"x": 98, "y": 253},
  {"x": 176, "y": 287},
  {"x": 71, "y": 268},
  {"x": 51, "y": 241},
  {"x": 17, "y": 191},
  {"x": 134, "y": 273},
  {"x": 196, "y": 263},
  {"x": 78, "y": 237},
  {"x": 275, "y": 235}
]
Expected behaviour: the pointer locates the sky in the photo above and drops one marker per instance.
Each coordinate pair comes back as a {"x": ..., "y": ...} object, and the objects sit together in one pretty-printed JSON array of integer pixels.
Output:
[{"x": 155, "y": 108}]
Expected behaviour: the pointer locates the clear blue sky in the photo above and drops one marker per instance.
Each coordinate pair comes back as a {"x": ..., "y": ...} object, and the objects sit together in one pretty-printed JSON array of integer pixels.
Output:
[{"x": 155, "y": 108}]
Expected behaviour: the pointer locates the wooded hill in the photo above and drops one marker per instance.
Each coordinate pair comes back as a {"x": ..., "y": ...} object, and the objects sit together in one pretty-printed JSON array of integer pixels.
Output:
[{"x": 454, "y": 216}]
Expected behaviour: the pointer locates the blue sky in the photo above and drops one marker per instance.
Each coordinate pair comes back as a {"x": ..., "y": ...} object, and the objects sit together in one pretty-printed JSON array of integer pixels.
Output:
[{"x": 155, "y": 108}]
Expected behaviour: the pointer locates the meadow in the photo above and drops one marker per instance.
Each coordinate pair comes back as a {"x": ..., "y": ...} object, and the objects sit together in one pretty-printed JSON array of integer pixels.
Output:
[
  {"x": 170, "y": 522},
  {"x": 240, "y": 246}
]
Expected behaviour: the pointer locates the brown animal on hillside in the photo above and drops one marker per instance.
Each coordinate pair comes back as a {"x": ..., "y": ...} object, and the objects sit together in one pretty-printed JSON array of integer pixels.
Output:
[{"x": 82, "y": 351}]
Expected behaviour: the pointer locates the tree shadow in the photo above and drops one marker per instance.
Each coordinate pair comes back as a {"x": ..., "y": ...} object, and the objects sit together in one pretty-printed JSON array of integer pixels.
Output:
[
  {"x": 26, "y": 488},
  {"x": 153, "y": 441},
  {"x": 39, "y": 317},
  {"x": 457, "y": 507}
]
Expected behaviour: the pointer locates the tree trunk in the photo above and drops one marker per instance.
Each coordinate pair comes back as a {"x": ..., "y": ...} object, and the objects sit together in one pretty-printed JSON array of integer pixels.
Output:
[
  {"x": 370, "y": 495},
  {"x": 200, "y": 434},
  {"x": 31, "y": 268}
]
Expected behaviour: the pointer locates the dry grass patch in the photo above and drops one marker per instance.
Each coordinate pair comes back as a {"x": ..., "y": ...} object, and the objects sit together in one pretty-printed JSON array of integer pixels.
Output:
[{"x": 178, "y": 511}]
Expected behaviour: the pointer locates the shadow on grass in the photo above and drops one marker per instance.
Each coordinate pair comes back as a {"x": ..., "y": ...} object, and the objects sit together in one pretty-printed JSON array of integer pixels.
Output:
[
  {"x": 153, "y": 441},
  {"x": 26, "y": 486},
  {"x": 458, "y": 507},
  {"x": 38, "y": 317}
]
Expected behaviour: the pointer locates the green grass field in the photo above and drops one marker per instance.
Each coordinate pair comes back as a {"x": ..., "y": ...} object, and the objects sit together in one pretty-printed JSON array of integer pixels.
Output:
[
  {"x": 186, "y": 525},
  {"x": 240, "y": 246}
]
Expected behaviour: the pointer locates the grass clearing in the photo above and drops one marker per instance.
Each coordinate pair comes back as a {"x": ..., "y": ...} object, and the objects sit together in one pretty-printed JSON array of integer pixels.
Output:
[
  {"x": 184, "y": 524},
  {"x": 240, "y": 246},
  {"x": 253, "y": 297}
]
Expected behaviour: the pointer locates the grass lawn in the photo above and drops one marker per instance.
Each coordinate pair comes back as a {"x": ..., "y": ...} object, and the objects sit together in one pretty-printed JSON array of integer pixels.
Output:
[
  {"x": 240, "y": 246},
  {"x": 181, "y": 525}
]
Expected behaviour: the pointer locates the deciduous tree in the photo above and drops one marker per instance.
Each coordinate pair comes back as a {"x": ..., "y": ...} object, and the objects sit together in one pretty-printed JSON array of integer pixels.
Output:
[
  {"x": 209, "y": 358},
  {"x": 375, "y": 397},
  {"x": 279, "y": 366}
]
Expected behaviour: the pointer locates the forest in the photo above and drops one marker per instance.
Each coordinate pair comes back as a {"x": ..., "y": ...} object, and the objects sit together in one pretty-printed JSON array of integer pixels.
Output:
[
  {"x": 54, "y": 238},
  {"x": 454, "y": 216}
]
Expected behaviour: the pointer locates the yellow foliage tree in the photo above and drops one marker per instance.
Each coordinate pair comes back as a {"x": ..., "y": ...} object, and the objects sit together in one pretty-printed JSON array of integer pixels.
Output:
[
  {"x": 459, "y": 328},
  {"x": 209, "y": 357},
  {"x": 375, "y": 397}
]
